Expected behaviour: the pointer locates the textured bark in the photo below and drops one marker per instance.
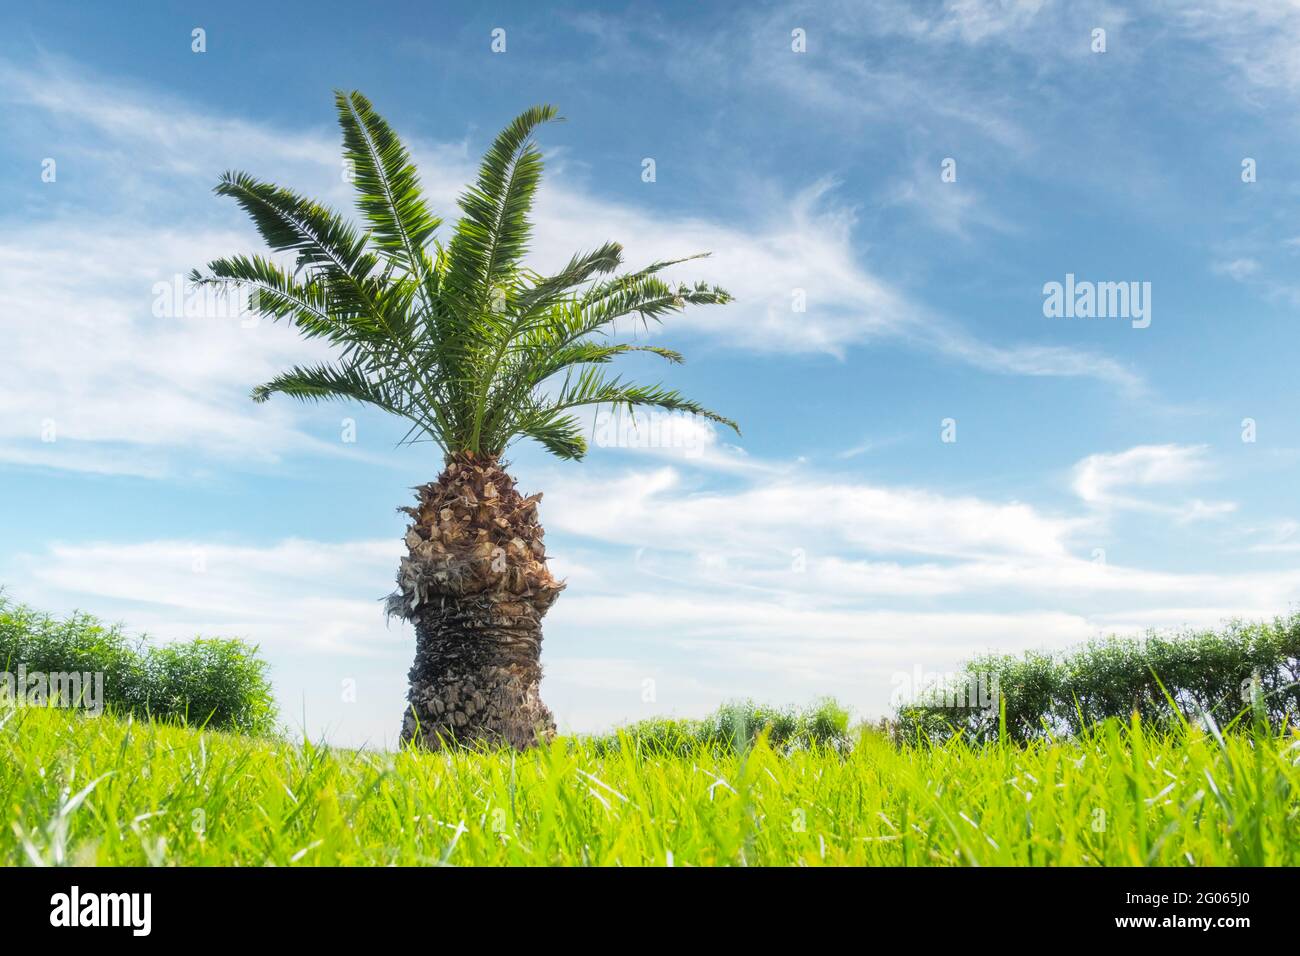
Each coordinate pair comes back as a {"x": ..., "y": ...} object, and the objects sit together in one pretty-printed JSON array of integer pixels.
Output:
[{"x": 476, "y": 586}]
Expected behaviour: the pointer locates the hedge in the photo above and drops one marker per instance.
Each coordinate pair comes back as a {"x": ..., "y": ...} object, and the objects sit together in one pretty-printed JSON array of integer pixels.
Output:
[
  {"x": 1200, "y": 674},
  {"x": 212, "y": 682}
]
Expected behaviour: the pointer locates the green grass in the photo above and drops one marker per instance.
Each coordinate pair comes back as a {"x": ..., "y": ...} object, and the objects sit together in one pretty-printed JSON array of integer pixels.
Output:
[{"x": 101, "y": 791}]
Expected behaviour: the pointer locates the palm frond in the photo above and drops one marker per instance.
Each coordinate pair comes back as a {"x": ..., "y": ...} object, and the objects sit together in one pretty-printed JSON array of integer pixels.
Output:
[
  {"x": 593, "y": 387},
  {"x": 580, "y": 269},
  {"x": 559, "y": 434},
  {"x": 278, "y": 295},
  {"x": 461, "y": 340},
  {"x": 387, "y": 185},
  {"x": 493, "y": 233},
  {"x": 290, "y": 223},
  {"x": 351, "y": 382}
]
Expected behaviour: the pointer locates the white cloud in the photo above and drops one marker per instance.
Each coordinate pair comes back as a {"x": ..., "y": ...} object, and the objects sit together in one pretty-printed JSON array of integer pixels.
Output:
[
  {"x": 1104, "y": 480},
  {"x": 1037, "y": 360},
  {"x": 659, "y": 509},
  {"x": 1279, "y": 537},
  {"x": 795, "y": 539},
  {"x": 1097, "y": 476},
  {"x": 834, "y": 78},
  {"x": 805, "y": 245},
  {"x": 1238, "y": 269},
  {"x": 861, "y": 448},
  {"x": 1258, "y": 39},
  {"x": 952, "y": 207},
  {"x": 162, "y": 132},
  {"x": 303, "y": 596},
  {"x": 96, "y": 382},
  {"x": 975, "y": 21}
]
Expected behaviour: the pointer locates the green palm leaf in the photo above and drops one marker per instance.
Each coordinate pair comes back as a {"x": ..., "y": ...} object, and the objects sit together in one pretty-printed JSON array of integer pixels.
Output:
[
  {"x": 387, "y": 184},
  {"x": 493, "y": 233},
  {"x": 463, "y": 341}
]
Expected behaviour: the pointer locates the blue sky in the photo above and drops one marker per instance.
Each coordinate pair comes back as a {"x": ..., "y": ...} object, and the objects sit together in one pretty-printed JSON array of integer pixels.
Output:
[{"x": 1099, "y": 481}]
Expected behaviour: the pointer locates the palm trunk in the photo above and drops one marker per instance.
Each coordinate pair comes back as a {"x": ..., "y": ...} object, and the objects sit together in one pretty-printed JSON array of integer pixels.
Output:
[{"x": 476, "y": 586}]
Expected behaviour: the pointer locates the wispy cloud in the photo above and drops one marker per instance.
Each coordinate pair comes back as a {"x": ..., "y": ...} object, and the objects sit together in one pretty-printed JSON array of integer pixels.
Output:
[
  {"x": 778, "y": 516},
  {"x": 1259, "y": 41},
  {"x": 1239, "y": 269},
  {"x": 1131, "y": 480},
  {"x": 98, "y": 382},
  {"x": 951, "y": 207}
]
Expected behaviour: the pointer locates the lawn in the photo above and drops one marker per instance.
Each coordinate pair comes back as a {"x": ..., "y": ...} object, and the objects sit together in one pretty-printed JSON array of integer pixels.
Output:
[{"x": 84, "y": 790}]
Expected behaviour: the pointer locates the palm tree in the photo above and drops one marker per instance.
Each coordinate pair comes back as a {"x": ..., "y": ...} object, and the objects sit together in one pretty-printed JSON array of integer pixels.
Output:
[{"x": 476, "y": 351}]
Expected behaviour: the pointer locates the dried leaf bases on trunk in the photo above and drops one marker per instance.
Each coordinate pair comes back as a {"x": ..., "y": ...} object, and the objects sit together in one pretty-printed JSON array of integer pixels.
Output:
[{"x": 475, "y": 585}]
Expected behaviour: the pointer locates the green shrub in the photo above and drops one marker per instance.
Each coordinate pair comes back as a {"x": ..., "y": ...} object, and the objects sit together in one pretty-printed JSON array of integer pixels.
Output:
[
  {"x": 210, "y": 682},
  {"x": 78, "y": 643},
  {"x": 734, "y": 726},
  {"x": 214, "y": 682},
  {"x": 1163, "y": 678}
]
